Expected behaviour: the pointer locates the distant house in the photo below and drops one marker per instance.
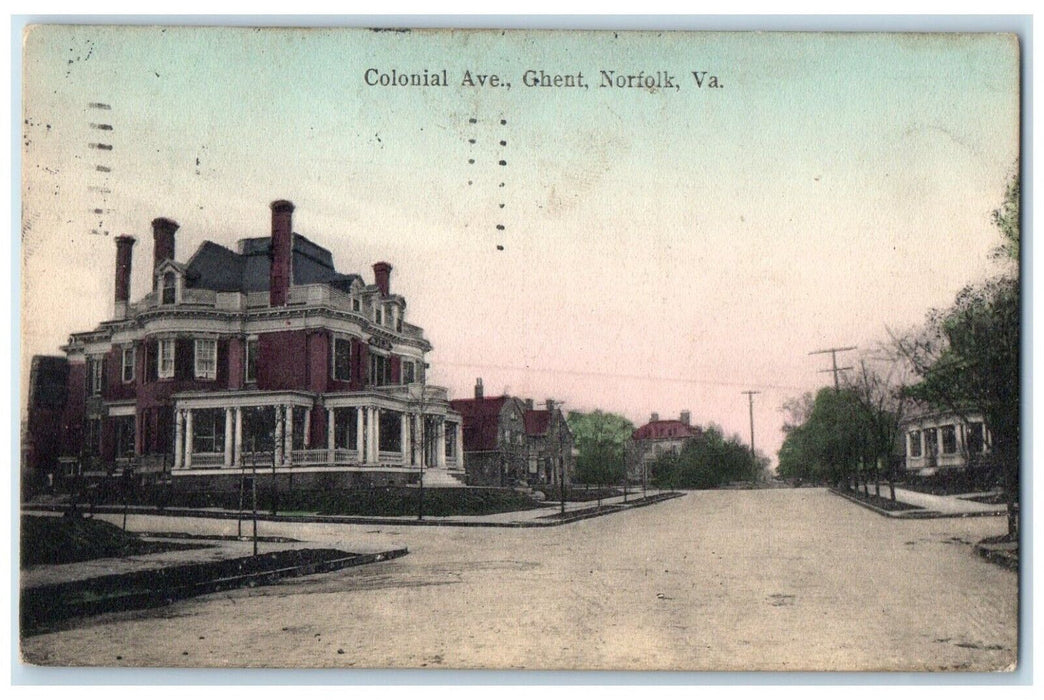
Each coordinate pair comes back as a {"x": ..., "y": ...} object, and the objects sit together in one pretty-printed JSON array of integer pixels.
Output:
[
  {"x": 940, "y": 440},
  {"x": 549, "y": 445},
  {"x": 509, "y": 442},
  {"x": 658, "y": 437},
  {"x": 494, "y": 437}
]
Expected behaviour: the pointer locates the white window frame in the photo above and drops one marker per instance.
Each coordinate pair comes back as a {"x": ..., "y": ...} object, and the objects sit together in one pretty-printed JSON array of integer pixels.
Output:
[
  {"x": 412, "y": 364},
  {"x": 206, "y": 367},
  {"x": 165, "y": 358},
  {"x": 131, "y": 354},
  {"x": 96, "y": 372},
  {"x": 378, "y": 315}
]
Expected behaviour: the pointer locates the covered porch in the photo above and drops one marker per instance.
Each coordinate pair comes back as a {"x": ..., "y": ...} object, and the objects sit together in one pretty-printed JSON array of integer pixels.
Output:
[{"x": 300, "y": 430}]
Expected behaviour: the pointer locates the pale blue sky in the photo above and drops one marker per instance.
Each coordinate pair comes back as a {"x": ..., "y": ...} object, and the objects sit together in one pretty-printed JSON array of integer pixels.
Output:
[{"x": 663, "y": 250}]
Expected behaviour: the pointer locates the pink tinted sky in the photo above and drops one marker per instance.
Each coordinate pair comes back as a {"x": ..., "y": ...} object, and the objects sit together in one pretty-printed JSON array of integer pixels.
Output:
[{"x": 663, "y": 249}]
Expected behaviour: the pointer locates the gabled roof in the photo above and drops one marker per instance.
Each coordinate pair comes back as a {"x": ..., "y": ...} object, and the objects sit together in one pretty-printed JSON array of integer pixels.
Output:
[
  {"x": 215, "y": 267},
  {"x": 537, "y": 422},
  {"x": 665, "y": 429},
  {"x": 481, "y": 421}
]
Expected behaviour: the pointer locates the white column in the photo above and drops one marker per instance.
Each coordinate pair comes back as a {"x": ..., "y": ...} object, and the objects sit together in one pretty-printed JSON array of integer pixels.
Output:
[
  {"x": 229, "y": 435},
  {"x": 306, "y": 439},
  {"x": 179, "y": 439},
  {"x": 288, "y": 434},
  {"x": 330, "y": 434},
  {"x": 237, "y": 457},
  {"x": 440, "y": 443},
  {"x": 459, "y": 454},
  {"x": 188, "y": 439},
  {"x": 376, "y": 435},
  {"x": 361, "y": 426},
  {"x": 277, "y": 447},
  {"x": 422, "y": 436},
  {"x": 404, "y": 439}
]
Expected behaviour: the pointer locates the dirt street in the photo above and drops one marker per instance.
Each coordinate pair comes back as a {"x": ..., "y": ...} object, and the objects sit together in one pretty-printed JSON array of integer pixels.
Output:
[{"x": 716, "y": 580}]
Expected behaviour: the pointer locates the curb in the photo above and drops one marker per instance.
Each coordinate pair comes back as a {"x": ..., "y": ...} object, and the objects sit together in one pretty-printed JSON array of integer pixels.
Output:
[
  {"x": 41, "y": 607},
  {"x": 360, "y": 520},
  {"x": 998, "y": 556},
  {"x": 917, "y": 513}
]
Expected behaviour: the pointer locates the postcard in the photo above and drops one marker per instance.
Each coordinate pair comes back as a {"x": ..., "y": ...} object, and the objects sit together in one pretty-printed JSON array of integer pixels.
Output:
[{"x": 519, "y": 349}]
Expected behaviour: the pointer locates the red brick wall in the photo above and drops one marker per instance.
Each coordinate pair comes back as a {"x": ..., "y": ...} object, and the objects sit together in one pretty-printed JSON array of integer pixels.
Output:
[
  {"x": 236, "y": 359},
  {"x": 318, "y": 360},
  {"x": 279, "y": 363}
]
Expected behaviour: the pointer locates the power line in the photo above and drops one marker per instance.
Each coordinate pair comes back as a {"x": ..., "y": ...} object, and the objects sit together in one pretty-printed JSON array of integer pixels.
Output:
[{"x": 612, "y": 375}]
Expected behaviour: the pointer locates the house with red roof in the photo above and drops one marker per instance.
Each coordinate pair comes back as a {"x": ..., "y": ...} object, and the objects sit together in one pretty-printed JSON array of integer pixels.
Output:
[
  {"x": 260, "y": 356},
  {"x": 508, "y": 442},
  {"x": 658, "y": 437}
]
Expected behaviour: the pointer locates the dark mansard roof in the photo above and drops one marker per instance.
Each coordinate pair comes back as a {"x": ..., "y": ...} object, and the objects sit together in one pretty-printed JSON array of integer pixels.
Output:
[{"x": 217, "y": 268}]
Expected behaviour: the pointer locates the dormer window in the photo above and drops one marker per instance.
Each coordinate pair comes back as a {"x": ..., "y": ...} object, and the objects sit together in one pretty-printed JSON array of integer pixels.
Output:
[
  {"x": 170, "y": 288},
  {"x": 378, "y": 317},
  {"x": 356, "y": 305}
]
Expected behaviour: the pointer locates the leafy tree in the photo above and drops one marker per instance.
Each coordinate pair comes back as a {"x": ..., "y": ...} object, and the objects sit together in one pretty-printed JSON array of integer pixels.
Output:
[
  {"x": 967, "y": 356},
  {"x": 601, "y": 441},
  {"x": 707, "y": 461},
  {"x": 830, "y": 444}
]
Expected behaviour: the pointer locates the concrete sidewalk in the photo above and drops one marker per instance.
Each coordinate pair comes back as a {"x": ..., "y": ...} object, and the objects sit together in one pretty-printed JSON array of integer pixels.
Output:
[
  {"x": 545, "y": 516},
  {"x": 926, "y": 505},
  {"x": 950, "y": 505}
]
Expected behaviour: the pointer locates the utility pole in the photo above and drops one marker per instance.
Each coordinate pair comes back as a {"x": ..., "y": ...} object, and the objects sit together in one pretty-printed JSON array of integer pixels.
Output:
[
  {"x": 833, "y": 355},
  {"x": 750, "y": 399}
]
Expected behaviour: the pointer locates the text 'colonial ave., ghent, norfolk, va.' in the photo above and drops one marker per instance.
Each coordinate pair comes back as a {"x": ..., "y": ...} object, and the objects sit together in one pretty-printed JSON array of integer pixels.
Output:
[{"x": 652, "y": 81}]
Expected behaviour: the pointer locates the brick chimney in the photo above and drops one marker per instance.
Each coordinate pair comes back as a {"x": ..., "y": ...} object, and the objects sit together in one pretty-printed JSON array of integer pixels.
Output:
[
  {"x": 529, "y": 404},
  {"x": 124, "y": 248},
  {"x": 162, "y": 240},
  {"x": 655, "y": 417},
  {"x": 686, "y": 418},
  {"x": 550, "y": 403},
  {"x": 382, "y": 274},
  {"x": 478, "y": 388},
  {"x": 281, "y": 267}
]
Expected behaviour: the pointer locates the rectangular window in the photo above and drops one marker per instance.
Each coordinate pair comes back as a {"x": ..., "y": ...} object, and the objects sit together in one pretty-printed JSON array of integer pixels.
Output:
[
  {"x": 170, "y": 287},
  {"x": 380, "y": 370},
  {"x": 408, "y": 370},
  {"x": 356, "y": 306},
  {"x": 931, "y": 441},
  {"x": 128, "y": 364},
  {"x": 949, "y": 439},
  {"x": 378, "y": 318},
  {"x": 342, "y": 359},
  {"x": 123, "y": 427},
  {"x": 92, "y": 437},
  {"x": 208, "y": 430},
  {"x": 250, "y": 365},
  {"x": 915, "y": 443},
  {"x": 165, "y": 369},
  {"x": 94, "y": 376},
  {"x": 976, "y": 438},
  {"x": 298, "y": 438},
  {"x": 206, "y": 359},
  {"x": 345, "y": 428}
]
